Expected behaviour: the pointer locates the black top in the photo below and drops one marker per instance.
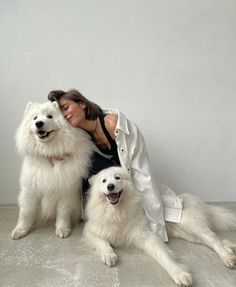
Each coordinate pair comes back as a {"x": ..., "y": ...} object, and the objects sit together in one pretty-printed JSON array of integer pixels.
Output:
[
  {"x": 99, "y": 162},
  {"x": 113, "y": 150}
]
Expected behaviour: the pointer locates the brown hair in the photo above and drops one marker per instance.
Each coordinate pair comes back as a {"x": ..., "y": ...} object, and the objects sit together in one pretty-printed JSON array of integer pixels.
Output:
[{"x": 92, "y": 110}]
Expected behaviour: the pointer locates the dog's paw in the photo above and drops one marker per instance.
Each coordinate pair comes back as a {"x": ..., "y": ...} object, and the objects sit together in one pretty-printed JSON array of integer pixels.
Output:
[
  {"x": 63, "y": 232},
  {"x": 183, "y": 279},
  {"x": 229, "y": 260},
  {"x": 18, "y": 233},
  {"x": 109, "y": 258}
]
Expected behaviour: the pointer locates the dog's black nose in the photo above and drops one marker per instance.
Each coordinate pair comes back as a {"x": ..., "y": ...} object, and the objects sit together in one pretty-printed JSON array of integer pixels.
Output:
[
  {"x": 39, "y": 124},
  {"x": 111, "y": 186}
]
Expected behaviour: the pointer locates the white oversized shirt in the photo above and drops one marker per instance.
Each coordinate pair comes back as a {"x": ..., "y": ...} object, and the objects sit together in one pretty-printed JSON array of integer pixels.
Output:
[{"x": 160, "y": 202}]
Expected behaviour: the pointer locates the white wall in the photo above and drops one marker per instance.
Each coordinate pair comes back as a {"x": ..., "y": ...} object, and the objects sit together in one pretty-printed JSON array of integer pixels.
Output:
[{"x": 170, "y": 66}]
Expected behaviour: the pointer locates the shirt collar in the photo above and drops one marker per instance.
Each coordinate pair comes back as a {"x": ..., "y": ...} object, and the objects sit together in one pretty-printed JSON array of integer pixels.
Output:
[{"x": 121, "y": 122}]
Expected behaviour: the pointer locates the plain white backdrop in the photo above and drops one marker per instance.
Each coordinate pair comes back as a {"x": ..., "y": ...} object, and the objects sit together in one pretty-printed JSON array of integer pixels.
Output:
[{"x": 170, "y": 66}]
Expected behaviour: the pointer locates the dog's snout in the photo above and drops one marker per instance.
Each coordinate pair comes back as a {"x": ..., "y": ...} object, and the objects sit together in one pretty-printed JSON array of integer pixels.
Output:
[
  {"x": 111, "y": 186},
  {"x": 39, "y": 124}
]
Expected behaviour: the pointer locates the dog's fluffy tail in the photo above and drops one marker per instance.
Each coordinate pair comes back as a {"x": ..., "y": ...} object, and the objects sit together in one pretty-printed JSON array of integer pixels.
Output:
[{"x": 221, "y": 218}]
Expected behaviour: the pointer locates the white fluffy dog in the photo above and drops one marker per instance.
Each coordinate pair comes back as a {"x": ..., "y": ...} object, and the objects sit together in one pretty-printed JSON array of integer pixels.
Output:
[
  {"x": 115, "y": 217},
  {"x": 56, "y": 158}
]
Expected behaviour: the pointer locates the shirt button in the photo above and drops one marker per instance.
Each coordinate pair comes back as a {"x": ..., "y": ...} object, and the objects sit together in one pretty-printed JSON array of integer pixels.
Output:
[
  {"x": 122, "y": 150},
  {"x": 116, "y": 131}
]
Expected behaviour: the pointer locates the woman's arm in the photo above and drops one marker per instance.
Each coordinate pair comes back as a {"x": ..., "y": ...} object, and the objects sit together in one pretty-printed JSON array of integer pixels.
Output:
[{"x": 110, "y": 124}]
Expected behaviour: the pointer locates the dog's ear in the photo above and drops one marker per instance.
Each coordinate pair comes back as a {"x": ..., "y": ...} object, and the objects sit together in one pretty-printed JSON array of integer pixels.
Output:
[
  {"x": 91, "y": 180},
  {"x": 55, "y": 103},
  {"x": 29, "y": 106}
]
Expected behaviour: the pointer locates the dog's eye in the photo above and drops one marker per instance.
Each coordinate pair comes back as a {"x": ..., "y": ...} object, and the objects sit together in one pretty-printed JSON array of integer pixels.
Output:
[
  {"x": 35, "y": 118},
  {"x": 117, "y": 177},
  {"x": 49, "y": 117},
  {"x": 104, "y": 180}
]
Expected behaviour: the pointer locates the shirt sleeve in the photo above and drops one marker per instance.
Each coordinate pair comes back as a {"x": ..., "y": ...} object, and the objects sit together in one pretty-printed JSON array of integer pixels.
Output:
[{"x": 144, "y": 182}]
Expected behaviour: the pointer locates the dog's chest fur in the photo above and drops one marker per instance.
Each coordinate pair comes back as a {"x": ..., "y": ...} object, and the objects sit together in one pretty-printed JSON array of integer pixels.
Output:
[
  {"x": 42, "y": 175},
  {"x": 113, "y": 223}
]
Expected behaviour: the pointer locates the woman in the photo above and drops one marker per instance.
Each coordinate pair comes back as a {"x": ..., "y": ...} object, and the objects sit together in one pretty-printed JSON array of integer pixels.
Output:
[{"x": 120, "y": 140}]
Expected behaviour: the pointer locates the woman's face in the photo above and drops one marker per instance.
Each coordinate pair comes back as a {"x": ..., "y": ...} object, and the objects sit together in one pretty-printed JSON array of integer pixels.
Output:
[{"x": 73, "y": 112}]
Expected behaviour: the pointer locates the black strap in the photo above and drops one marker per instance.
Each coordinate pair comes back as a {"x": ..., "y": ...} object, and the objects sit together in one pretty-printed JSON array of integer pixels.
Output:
[
  {"x": 109, "y": 138},
  {"x": 113, "y": 151}
]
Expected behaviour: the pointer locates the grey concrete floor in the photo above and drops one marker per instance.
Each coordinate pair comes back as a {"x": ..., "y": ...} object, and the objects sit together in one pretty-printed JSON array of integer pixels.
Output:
[{"x": 42, "y": 259}]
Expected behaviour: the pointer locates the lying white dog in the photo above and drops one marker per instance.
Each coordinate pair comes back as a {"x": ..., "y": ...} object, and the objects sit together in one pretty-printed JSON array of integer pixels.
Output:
[
  {"x": 56, "y": 158},
  {"x": 115, "y": 217}
]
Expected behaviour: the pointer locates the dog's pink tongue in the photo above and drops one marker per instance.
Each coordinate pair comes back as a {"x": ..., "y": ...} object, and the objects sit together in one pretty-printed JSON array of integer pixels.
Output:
[{"x": 113, "y": 197}]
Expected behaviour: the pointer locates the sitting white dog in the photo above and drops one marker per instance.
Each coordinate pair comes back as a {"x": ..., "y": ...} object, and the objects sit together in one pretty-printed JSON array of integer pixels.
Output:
[
  {"x": 56, "y": 158},
  {"x": 116, "y": 217}
]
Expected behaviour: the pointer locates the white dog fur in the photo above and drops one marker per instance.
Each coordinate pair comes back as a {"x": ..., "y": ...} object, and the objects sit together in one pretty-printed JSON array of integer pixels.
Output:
[
  {"x": 56, "y": 158},
  {"x": 116, "y": 219}
]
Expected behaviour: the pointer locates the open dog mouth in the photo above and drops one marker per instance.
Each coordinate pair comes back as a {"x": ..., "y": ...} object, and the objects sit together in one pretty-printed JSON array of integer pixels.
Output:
[
  {"x": 43, "y": 134},
  {"x": 114, "y": 197}
]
